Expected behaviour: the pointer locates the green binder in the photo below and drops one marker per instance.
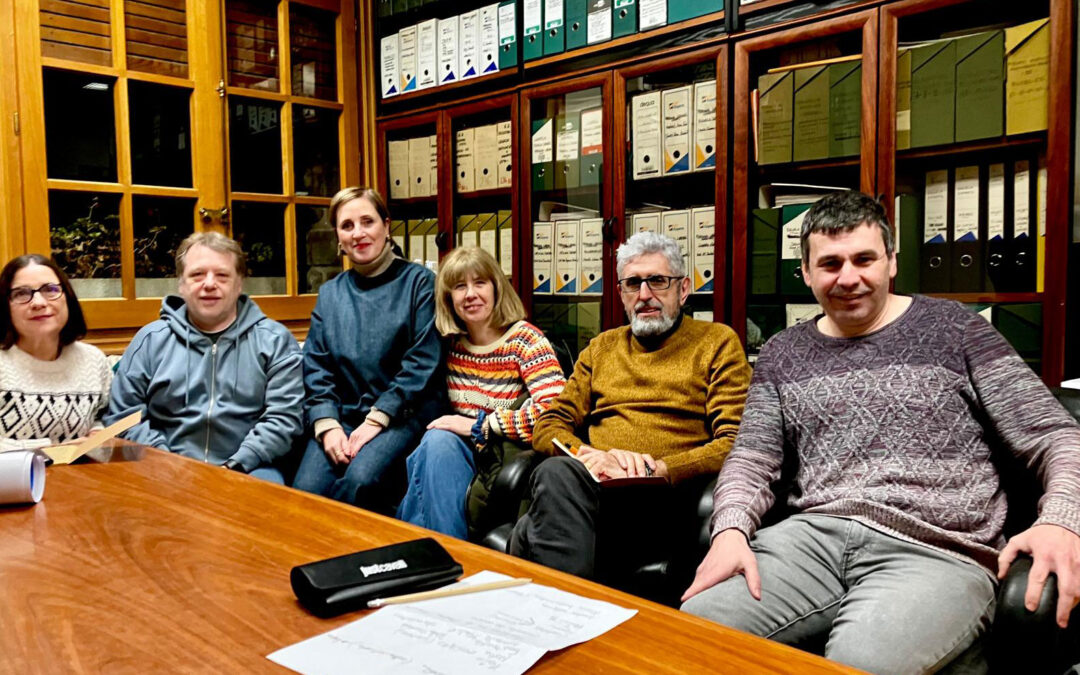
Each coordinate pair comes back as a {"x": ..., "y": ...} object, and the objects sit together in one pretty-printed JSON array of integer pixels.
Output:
[
  {"x": 845, "y": 108},
  {"x": 764, "y": 251},
  {"x": 903, "y": 99},
  {"x": 543, "y": 146},
  {"x": 980, "y": 86},
  {"x": 624, "y": 18},
  {"x": 791, "y": 279},
  {"x": 907, "y": 230},
  {"x": 554, "y": 27},
  {"x": 681, "y": 10},
  {"x": 508, "y": 46},
  {"x": 592, "y": 146},
  {"x": 532, "y": 45},
  {"x": 400, "y": 6},
  {"x": 810, "y": 118},
  {"x": 776, "y": 103},
  {"x": 386, "y": 8},
  {"x": 933, "y": 93},
  {"x": 568, "y": 145},
  {"x": 576, "y": 23},
  {"x": 1021, "y": 325}
]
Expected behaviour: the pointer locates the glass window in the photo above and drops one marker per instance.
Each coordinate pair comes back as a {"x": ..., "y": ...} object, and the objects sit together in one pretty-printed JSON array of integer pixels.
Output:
[
  {"x": 160, "y": 134},
  {"x": 315, "y": 150},
  {"x": 84, "y": 231},
  {"x": 260, "y": 230},
  {"x": 317, "y": 258},
  {"x": 160, "y": 224},
  {"x": 252, "y": 43},
  {"x": 254, "y": 145},
  {"x": 156, "y": 35},
  {"x": 80, "y": 128},
  {"x": 313, "y": 52}
]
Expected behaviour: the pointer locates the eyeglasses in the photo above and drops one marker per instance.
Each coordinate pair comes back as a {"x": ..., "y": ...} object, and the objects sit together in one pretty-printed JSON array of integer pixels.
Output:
[
  {"x": 24, "y": 294},
  {"x": 657, "y": 282}
]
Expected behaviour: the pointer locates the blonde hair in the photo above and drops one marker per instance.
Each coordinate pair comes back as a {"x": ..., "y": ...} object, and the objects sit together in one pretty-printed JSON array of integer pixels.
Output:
[
  {"x": 346, "y": 195},
  {"x": 453, "y": 269},
  {"x": 215, "y": 242}
]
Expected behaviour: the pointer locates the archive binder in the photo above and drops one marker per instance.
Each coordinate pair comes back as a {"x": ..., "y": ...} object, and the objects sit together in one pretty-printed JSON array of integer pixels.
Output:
[
  {"x": 703, "y": 221},
  {"x": 980, "y": 86},
  {"x": 469, "y": 45},
  {"x": 1027, "y": 63},
  {"x": 704, "y": 125},
  {"x": 810, "y": 116},
  {"x": 995, "y": 277},
  {"x": 592, "y": 146},
  {"x": 397, "y": 164},
  {"x": 543, "y": 257},
  {"x": 791, "y": 278},
  {"x": 427, "y": 57},
  {"x": 681, "y": 10},
  {"x": 598, "y": 28},
  {"x": 486, "y": 158},
  {"x": 775, "y": 104},
  {"x": 506, "y": 242},
  {"x": 448, "y": 50},
  {"x": 675, "y": 112},
  {"x": 845, "y": 108},
  {"x": 533, "y": 39},
  {"x": 591, "y": 239},
  {"x": 764, "y": 251},
  {"x": 465, "y": 165},
  {"x": 651, "y": 14},
  {"x": 933, "y": 93},
  {"x": 554, "y": 37},
  {"x": 966, "y": 268},
  {"x": 936, "y": 250},
  {"x": 389, "y": 51},
  {"x": 1021, "y": 262},
  {"x": 676, "y": 224},
  {"x": 505, "y": 142},
  {"x": 645, "y": 125},
  {"x": 908, "y": 224},
  {"x": 567, "y": 154},
  {"x": 508, "y": 47},
  {"x": 489, "y": 40},
  {"x": 566, "y": 257},
  {"x": 624, "y": 18},
  {"x": 576, "y": 23},
  {"x": 543, "y": 154},
  {"x": 407, "y": 59}
]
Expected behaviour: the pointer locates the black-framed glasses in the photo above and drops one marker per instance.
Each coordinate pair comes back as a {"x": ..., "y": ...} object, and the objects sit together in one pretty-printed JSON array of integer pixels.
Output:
[
  {"x": 21, "y": 295},
  {"x": 657, "y": 282}
]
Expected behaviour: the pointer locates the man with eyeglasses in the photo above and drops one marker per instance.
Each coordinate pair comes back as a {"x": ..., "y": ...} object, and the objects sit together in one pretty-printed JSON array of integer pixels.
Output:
[{"x": 662, "y": 398}]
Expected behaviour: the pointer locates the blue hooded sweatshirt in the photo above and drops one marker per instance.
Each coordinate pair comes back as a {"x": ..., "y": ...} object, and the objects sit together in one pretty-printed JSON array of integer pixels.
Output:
[{"x": 241, "y": 398}]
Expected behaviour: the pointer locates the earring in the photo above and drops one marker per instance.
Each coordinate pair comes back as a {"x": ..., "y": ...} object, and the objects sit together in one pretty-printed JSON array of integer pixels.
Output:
[{"x": 340, "y": 249}]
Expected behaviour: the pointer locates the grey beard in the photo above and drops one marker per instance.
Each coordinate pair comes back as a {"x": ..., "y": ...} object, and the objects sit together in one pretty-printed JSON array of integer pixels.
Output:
[{"x": 642, "y": 327}]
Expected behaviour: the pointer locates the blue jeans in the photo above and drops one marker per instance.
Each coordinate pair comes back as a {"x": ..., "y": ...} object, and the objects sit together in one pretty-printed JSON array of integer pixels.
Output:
[
  {"x": 372, "y": 480},
  {"x": 440, "y": 471},
  {"x": 269, "y": 474},
  {"x": 874, "y": 601}
]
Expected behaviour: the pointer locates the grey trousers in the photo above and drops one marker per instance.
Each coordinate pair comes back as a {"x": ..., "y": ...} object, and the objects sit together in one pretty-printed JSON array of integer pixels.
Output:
[{"x": 874, "y": 601}]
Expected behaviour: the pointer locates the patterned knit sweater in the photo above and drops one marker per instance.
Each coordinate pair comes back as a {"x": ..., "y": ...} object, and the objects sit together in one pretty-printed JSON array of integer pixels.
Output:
[
  {"x": 897, "y": 430},
  {"x": 678, "y": 398},
  {"x": 490, "y": 378},
  {"x": 47, "y": 402}
]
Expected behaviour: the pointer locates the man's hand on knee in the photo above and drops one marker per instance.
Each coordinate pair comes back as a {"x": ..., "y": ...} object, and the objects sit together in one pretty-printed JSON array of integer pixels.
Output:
[
  {"x": 729, "y": 555},
  {"x": 1053, "y": 549}
]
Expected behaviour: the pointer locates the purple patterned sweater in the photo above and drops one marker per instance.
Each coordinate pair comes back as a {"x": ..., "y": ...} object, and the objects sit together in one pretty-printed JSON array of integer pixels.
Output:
[{"x": 896, "y": 429}]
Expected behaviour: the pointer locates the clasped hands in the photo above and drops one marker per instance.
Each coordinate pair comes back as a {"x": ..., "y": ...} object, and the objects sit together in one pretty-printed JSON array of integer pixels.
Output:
[
  {"x": 615, "y": 463},
  {"x": 341, "y": 449}
]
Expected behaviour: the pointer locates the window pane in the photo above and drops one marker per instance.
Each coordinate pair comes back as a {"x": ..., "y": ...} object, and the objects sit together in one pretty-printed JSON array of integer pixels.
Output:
[
  {"x": 76, "y": 31},
  {"x": 80, "y": 130},
  {"x": 260, "y": 229},
  {"x": 254, "y": 145},
  {"x": 315, "y": 150},
  {"x": 160, "y": 224},
  {"x": 252, "y": 43},
  {"x": 313, "y": 46},
  {"x": 85, "y": 236},
  {"x": 160, "y": 134},
  {"x": 156, "y": 35},
  {"x": 317, "y": 259}
]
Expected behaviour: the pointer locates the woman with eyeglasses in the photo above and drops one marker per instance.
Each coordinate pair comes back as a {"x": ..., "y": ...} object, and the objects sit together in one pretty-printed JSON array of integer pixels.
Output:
[{"x": 53, "y": 388}]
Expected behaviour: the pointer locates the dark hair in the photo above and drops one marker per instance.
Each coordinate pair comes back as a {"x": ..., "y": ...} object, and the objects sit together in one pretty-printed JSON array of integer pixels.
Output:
[
  {"x": 843, "y": 212},
  {"x": 74, "y": 329}
]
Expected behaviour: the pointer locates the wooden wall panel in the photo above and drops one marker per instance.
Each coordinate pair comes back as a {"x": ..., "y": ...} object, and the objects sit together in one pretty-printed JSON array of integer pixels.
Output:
[{"x": 76, "y": 31}]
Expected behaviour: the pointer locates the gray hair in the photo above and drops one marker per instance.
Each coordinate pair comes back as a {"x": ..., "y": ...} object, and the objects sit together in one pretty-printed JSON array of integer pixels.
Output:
[
  {"x": 843, "y": 212},
  {"x": 644, "y": 243}
]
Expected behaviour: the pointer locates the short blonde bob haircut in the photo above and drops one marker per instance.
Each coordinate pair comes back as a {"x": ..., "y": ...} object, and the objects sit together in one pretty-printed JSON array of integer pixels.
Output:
[{"x": 453, "y": 270}]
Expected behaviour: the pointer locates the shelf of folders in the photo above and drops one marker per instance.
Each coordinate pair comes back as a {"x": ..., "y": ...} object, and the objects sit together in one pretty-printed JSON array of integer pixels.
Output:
[
  {"x": 809, "y": 111},
  {"x": 418, "y": 240},
  {"x": 412, "y": 165},
  {"x": 693, "y": 229},
  {"x": 493, "y": 232},
  {"x": 443, "y": 51},
  {"x": 674, "y": 130},
  {"x": 483, "y": 158}
]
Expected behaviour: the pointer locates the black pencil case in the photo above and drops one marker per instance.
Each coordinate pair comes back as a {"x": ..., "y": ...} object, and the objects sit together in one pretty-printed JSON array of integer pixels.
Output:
[{"x": 337, "y": 585}]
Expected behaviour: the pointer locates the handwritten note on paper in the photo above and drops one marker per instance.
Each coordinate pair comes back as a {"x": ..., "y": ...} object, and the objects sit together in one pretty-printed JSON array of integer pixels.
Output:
[{"x": 500, "y": 632}]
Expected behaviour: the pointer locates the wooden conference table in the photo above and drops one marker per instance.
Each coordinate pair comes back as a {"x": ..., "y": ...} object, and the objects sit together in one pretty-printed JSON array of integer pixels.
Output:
[{"x": 148, "y": 562}]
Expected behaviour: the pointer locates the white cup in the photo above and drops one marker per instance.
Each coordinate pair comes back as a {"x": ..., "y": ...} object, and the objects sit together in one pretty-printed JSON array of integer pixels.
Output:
[{"x": 22, "y": 477}]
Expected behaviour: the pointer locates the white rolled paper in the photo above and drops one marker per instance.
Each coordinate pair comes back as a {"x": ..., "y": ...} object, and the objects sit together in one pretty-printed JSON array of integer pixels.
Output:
[{"x": 22, "y": 477}]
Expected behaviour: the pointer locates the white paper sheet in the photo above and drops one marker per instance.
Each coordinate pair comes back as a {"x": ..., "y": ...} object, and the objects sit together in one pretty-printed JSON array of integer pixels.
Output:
[{"x": 500, "y": 632}]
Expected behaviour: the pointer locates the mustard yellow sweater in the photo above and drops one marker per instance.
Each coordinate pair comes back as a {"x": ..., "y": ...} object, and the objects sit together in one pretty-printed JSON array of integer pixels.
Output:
[{"x": 679, "y": 399}]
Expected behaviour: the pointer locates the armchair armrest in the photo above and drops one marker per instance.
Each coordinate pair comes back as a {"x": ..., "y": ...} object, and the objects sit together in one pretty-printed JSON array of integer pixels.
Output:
[{"x": 1032, "y": 642}]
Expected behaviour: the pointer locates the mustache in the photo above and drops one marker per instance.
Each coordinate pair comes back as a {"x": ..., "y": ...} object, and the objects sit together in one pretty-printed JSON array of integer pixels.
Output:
[{"x": 642, "y": 304}]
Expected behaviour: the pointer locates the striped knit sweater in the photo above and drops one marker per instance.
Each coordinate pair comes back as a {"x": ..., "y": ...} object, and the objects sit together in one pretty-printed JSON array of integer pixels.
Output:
[
  {"x": 897, "y": 429},
  {"x": 47, "y": 402},
  {"x": 490, "y": 378}
]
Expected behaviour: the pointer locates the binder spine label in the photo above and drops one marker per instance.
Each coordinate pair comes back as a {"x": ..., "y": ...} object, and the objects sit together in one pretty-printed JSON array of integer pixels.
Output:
[{"x": 936, "y": 227}]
